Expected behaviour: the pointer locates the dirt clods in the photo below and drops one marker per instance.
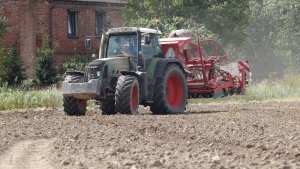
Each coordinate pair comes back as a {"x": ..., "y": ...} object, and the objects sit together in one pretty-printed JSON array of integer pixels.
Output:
[{"x": 250, "y": 135}]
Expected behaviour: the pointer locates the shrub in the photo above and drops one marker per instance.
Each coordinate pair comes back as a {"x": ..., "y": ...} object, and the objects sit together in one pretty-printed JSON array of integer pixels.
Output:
[
  {"x": 11, "y": 71},
  {"x": 3, "y": 25},
  {"x": 45, "y": 71}
]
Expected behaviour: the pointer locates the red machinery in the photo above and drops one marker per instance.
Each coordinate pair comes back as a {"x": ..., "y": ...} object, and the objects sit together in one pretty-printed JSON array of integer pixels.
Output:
[{"x": 209, "y": 73}]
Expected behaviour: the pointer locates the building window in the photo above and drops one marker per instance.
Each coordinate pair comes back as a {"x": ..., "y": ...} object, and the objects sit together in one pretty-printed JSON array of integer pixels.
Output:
[
  {"x": 72, "y": 23},
  {"x": 99, "y": 23}
]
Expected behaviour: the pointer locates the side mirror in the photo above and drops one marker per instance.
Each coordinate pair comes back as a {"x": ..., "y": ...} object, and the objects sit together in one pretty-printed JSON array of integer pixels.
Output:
[{"x": 88, "y": 44}]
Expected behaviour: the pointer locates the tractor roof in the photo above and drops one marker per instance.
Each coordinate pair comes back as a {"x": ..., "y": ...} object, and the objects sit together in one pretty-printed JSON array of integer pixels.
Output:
[{"x": 133, "y": 29}]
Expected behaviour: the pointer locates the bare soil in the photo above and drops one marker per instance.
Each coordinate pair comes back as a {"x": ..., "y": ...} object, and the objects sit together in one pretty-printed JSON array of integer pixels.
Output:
[{"x": 251, "y": 135}]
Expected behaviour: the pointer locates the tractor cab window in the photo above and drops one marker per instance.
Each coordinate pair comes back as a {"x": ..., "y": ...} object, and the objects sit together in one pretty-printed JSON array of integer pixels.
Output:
[
  {"x": 150, "y": 45},
  {"x": 122, "y": 45},
  {"x": 155, "y": 43}
]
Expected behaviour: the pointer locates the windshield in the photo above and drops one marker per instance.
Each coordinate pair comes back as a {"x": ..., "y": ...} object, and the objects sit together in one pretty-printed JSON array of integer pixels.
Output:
[{"x": 122, "y": 45}]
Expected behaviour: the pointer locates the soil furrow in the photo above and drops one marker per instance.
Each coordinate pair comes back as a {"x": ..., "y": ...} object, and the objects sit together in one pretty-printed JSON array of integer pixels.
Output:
[{"x": 28, "y": 154}]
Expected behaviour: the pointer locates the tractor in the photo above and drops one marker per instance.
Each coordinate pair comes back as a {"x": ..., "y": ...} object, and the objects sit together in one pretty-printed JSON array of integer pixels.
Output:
[{"x": 132, "y": 70}]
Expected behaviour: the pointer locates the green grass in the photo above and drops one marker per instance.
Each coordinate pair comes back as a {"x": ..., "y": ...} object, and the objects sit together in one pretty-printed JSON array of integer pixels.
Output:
[
  {"x": 287, "y": 88},
  {"x": 18, "y": 99}
]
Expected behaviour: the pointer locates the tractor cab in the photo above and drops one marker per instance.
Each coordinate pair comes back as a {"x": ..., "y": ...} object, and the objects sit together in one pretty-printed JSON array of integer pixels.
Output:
[{"x": 139, "y": 45}]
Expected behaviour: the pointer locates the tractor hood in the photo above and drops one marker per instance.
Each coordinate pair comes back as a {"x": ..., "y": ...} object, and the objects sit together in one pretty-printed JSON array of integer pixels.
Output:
[{"x": 113, "y": 66}]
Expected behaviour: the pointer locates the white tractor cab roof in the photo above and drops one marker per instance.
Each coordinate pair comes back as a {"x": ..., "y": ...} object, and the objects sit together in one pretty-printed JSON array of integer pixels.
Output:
[{"x": 133, "y": 29}]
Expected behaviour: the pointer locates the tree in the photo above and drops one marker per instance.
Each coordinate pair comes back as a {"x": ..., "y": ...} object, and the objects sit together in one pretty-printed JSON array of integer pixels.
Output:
[
  {"x": 273, "y": 38},
  {"x": 226, "y": 18},
  {"x": 45, "y": 71},
  {"x": 11, "y": 72},
  {"x": 3, "y": 26},
  {"x": 2, "y": 52},
  {"x": 229, "y": 19}
]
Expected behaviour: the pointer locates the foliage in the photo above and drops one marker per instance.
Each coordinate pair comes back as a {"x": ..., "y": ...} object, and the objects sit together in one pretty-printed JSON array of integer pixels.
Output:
[
  {"x": 275, "y": 89},
  {"x": 20, "y": 99},
  {"x": 175, "y": 23},
  {"x": 45, "y": 71},
  {"x": 265, "y": 32},
  {"x": 11, "y": 71},
  {"x": 274, "y": 37},
  {"x": 286, "y": 88},
  {"x": 227, "y": 18},
  {"x": 3, "y": 26},
  {"x": 281, "y": 17}
]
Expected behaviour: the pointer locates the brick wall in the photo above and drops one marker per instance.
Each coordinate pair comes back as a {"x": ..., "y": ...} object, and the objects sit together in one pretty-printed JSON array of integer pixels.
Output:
[
  {"x": 66, "y": 46},
  {"x": 13, "y": 18},
  {"x": 28, "y": 20}
]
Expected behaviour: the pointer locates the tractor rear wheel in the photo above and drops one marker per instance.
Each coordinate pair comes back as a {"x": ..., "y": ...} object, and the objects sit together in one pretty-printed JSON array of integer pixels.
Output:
[
  {"x": 74, "y": 106},
  {"x": 108, "y": 107},
  {"x": 170, "y": 92},
  {"x": 127, "y": 95}
]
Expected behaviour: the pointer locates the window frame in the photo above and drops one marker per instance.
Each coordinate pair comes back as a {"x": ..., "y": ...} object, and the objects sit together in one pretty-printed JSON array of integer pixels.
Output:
[
  {"x": 73, "y": 33},
  {"x": 98, "y": 30}
]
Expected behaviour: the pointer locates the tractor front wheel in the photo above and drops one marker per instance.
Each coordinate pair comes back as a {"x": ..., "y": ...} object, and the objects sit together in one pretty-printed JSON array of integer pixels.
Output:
[
  {"x": 127, "y": 95},
  {"x": 170, "y": 93},
  {"x": 74, "y": 107},
  {"x": 108, "y": 107}
]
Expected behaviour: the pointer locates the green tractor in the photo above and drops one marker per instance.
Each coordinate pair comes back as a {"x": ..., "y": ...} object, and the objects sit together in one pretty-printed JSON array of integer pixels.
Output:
[{"x": 131, "y": 71}]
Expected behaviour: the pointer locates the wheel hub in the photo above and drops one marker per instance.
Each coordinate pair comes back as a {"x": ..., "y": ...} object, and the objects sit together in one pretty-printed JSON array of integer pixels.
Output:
[{"x": 174, "y": 91}]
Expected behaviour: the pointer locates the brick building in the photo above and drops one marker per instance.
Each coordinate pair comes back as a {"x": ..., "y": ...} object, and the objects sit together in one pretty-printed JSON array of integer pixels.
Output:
[{"x": 67, "y": 23}]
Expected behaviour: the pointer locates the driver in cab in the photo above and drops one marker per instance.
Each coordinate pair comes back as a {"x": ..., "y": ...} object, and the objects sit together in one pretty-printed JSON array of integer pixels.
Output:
[{"x": 128, "y": 49}]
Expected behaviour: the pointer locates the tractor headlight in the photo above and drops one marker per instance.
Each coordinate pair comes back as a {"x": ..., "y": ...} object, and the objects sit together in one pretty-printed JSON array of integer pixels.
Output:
[
  {"x": 92, "y": 72},
  {"x": 98, "y": 73}
]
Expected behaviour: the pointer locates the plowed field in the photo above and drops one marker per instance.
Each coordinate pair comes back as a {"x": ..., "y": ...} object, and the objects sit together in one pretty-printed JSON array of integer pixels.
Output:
[{"x": 251, "y": 135}]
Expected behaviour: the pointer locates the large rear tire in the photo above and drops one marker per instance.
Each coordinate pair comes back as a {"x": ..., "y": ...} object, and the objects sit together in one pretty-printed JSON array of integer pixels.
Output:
[
  {"x": 108, "y": 107},
  {"x": 170, "y": 92},
  {"x": 74, "y": 107},
  {"x": 127, "y": 95}
]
